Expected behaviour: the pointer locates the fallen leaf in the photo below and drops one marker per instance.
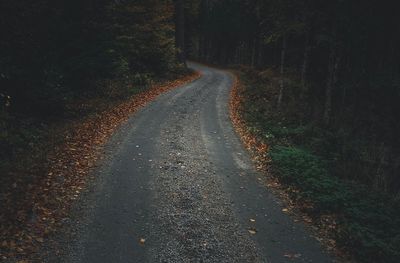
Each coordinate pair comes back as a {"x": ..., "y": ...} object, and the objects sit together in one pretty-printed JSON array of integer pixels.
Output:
[{"x": 252, "y": 231}]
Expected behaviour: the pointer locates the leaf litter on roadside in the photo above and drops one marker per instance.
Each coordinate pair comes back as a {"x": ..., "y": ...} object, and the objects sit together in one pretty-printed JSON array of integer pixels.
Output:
[{"x": 46, "y": 203}]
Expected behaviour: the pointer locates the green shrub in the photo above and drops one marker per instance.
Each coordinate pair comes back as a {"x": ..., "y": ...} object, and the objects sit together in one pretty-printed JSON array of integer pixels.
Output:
[{"x": 369, "y": 221}]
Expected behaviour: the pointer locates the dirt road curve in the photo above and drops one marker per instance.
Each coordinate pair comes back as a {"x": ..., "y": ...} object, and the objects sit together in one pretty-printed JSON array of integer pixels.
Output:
[{"x": 177, "y": 186}]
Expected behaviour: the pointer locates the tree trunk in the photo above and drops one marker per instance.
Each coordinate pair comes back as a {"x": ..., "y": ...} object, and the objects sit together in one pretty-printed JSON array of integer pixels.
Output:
[
  {"x": 331, "y": 81},
  {"x": 282, "y": 65},
  {"x": 260, "y": 53},
  {"x": 180, "y": 31},
  {"x": 200, "y": 54},
  {"x": 304, "y": 66},
  {"x": 253, "y": 54}
]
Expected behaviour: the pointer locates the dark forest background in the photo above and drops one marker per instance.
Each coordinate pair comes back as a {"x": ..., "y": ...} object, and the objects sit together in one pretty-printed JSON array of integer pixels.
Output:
[
  {"x": 336, "y": 60},
  {"x": 336, "y": 65}
]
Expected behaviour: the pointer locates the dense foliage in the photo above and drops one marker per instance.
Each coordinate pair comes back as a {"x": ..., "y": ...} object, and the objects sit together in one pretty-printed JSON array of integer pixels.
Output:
[{"x": 340, "y": 59}]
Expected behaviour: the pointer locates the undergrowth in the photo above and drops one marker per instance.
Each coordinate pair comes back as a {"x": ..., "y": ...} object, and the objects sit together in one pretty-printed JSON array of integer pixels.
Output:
[{"x": 307, "y": 159}]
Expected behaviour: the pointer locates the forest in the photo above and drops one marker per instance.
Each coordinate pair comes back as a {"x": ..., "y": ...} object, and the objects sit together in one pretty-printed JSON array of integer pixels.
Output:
[
  {"x": 337, "y": 68},
  {"x": 319, "y": 85}
]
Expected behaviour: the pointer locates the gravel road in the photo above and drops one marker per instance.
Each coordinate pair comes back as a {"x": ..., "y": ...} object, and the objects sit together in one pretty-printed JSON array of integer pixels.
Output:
[{"x": 177, "y": 186}]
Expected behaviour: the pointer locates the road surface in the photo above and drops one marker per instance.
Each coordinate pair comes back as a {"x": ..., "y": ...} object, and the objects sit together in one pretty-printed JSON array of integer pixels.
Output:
[{"x": 178, "y": 186}]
